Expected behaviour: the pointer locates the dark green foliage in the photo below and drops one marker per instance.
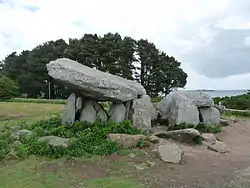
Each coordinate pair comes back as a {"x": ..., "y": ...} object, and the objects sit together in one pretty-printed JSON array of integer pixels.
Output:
[
  {"x": 85, "y": 138},
  {"x": 200, "y": 127},
  {"x": 240, "y": 102},
  {"x": 8, "y": 88},
  {"x": 156, "y": 71}
]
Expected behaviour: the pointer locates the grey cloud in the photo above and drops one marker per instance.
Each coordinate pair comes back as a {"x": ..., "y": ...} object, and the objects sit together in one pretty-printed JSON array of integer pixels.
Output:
[
  {"x": 228, "y": 52},
  {"x": 226, "y": 55}
]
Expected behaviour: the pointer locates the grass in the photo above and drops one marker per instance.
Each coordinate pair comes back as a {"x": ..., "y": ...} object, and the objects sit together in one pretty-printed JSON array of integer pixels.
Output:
[
  {"x": 31, "y": 173},
  {"x": 14, "y": 112}
]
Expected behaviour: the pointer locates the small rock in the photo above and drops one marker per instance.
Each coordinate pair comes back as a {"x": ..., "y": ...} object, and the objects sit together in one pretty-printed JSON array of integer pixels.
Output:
[
  {"x": 151, "y": 163},
  {"x": 182, "y": 135},
  {"x": 12, "y": 155},
  {"x": 126, "y": 140},
  {"x": 131, "y": 155},
  {"x": 209, "y": 138},
  {"x": 224, "y": 122},
  {"x": 24, "y": 132},
  {"x": 219, "y": 146},
  {"x": 154, "y": 139},
  {"x": 138, "y": 167},
  {"x": 55, "y": 141},
  {"x": 16, "y": 144},
  {"x": 170, "y": 153}
]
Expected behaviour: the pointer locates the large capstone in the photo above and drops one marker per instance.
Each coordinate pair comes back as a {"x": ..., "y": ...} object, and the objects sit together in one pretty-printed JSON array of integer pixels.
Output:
[
  {"x": 177, "y": 109},
  {"x": 92, "y": 83},
  {"x": 198, "y": 98}
]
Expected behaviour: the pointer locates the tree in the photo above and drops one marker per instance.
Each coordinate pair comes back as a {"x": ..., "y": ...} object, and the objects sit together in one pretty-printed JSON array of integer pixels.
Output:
[
  {"x": 8, "y": 88},
  {"x": 123, "y": 56}
]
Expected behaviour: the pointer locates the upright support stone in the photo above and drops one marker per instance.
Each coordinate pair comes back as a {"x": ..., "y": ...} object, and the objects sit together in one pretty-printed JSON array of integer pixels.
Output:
[
  {"x": 70, "y": 110},
  {"x": 142, "y": 112},
  {"x": 100, "y": 112},
  {"x": 88, "y": 111},
  {"x": 117, "y": 112},
  {"x": 128, "y": 106}
]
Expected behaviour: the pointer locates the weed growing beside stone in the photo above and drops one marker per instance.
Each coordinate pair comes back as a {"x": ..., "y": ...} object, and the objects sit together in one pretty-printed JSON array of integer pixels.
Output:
[{"x": 50, "y": 138}]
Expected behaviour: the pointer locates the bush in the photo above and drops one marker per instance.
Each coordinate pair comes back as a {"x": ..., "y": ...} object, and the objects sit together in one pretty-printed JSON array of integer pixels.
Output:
[
  {"x": 8, "y": 88},
  {"x": 85, "y": 138},
  {"x": 240, "y": 102}
]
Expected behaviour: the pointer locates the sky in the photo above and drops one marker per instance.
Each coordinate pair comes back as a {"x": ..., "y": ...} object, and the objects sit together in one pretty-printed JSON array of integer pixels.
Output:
[{"x": 210, "y": 37}]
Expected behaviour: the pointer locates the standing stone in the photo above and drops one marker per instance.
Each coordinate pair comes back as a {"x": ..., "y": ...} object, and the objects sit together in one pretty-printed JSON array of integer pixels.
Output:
[
  {"x": 78, "y": 104},
  {"x": 92, "y": 83},
  {"x": 68, "y": 116},
  {"x": 117, "y": 112},
  {"x": 142, "y": 112},
  {"x": 177, "y": 109},
  {"x": 210, "y": 115},
  {"x": 128, "y": 106},
  {"x": 88, "y": 111},
  {"x": 100, "y": 112}
]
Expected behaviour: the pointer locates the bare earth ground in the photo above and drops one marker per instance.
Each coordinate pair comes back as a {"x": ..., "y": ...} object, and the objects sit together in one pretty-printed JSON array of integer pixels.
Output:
[{"x": 136, "y": 168}]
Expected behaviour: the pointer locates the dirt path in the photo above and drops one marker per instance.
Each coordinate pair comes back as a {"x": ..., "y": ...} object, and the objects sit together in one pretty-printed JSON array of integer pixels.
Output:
[
  {"x": 205, "y": 168},
  {"x": 200, "y": 168}
]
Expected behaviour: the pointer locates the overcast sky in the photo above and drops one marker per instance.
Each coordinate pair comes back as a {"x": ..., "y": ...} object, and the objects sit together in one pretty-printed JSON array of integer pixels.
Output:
[{"x": 210, "y": 37}]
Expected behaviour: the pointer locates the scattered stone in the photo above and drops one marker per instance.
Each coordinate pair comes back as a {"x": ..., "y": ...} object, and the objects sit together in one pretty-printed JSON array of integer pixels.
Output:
[
  {"x": 170, "y": 153},
  {"x": 117, "y": 112},
  {"x": 224, "y": 122},
  {"x": 15, "y": 129},
  {"x": 143, "y": 111},
  {"x": 88, "y": 111},
  {"x": 23, "y": 132},
  {"x": 16, "y": 144},
  {"x": 90, "y": 82},
  {"x": 151, "y": 163},
  {"x": 219, "y": 147},
  {"x": 210, "y": 115},
  {"x": 55, "y": 141},
  {"x": 209, "y": 138},
  {"x": 177, "y": 109},
  {"x": 68, "y": 116},
  {"x": 154, "y": 139},
  {"x": 12, "y": 155},
  {"x": 126, "y": 140},
  {"x": 131, "y": 155},
  {"x": 182, "y": 135},
  {"x": 220, "y": 107}
]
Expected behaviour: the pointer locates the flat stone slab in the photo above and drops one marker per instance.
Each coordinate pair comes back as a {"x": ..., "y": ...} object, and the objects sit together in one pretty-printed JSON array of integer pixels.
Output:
[
  {"x": 90, "y": 82},
  {"x": 170, "y": 153}
]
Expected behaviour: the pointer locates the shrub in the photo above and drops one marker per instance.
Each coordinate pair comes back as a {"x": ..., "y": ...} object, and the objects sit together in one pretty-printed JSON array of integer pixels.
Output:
[
  {"x": 86, "y": 138},
  {"x": 8, "y": 88},
  {"x": 240, "y": 102}
]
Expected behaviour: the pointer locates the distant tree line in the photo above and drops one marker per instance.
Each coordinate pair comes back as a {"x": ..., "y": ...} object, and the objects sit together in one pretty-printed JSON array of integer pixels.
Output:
[{"x": 138, "y": 60}]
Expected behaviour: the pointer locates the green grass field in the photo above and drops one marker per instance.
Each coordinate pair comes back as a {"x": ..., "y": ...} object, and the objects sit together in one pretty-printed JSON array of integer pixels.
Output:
[{"x": 40, "y": 172}]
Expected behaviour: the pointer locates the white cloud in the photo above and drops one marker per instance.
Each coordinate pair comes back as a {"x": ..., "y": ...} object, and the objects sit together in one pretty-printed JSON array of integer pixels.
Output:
[{"x": 178, "y": 27}]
